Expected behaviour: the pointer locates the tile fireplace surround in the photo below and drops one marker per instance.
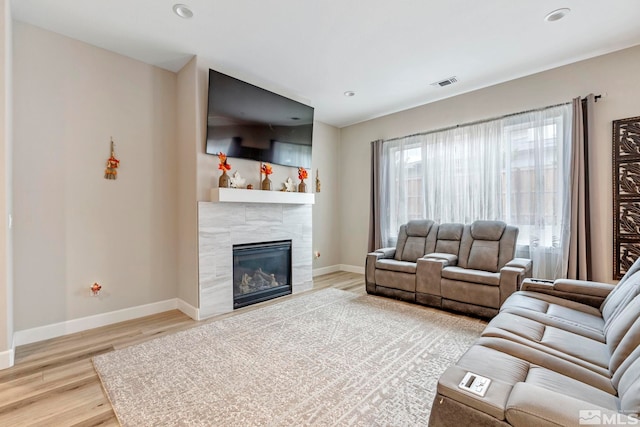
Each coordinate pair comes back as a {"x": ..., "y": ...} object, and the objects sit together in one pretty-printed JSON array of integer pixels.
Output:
[{"x": 222, "y": 225}]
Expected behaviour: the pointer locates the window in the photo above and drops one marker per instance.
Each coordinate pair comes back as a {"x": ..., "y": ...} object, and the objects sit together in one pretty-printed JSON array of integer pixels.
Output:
[{"x": 514, "y": 169}]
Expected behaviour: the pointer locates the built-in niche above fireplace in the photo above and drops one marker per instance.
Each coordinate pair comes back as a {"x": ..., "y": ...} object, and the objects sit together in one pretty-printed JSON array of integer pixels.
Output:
[{"x": 261, "y": 271}]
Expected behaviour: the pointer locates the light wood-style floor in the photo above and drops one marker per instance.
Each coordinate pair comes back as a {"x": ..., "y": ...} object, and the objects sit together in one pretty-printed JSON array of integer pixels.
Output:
[{"x": 53, "y": 382}]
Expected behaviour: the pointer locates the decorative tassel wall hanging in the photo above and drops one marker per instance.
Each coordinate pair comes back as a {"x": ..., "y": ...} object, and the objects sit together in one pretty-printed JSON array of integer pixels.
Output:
[{"x": 112, "y": 164}]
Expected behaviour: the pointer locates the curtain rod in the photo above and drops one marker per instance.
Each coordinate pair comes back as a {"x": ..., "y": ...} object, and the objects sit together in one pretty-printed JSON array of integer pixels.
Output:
[{"x": 477, "y": 122}]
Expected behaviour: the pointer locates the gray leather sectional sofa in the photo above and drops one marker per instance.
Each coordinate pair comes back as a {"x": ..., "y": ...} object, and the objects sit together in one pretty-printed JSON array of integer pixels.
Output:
[
  {"x": 467, "y": 268},
  {"x": 563, "y": 353}
]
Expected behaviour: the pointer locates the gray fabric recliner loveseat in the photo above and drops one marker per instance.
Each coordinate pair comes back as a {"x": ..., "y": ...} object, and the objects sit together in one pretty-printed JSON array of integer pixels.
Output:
[
  {"x": 467, "y": 268},
  {"x": 552, "y": 359}
]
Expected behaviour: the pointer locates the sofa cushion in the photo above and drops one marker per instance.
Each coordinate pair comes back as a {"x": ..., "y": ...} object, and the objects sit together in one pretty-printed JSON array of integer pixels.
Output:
[
  {"x": 450, "y": 231},
  {"x": 629, "y": 388},
  {"x": 561, "y": 365},
  {"x": 419, "y": 228},
  {"x": 553, "y": 381},
  {"x": 396, "y": 280},
  {"x": 558, "y": 312},
  {"x": 620, "y": 379},
  {"x": 623, "y": 336},
  {"x": 449, "y": 236},
  {"x": 550, "y": 399},
  {"x": 414, "y": 240},
  {"x": 549, "y": 339},
  {"x": 487, "y": 245},
  {"x": 487, "y": 230},
  {"x": 393, "y": 265},
  {"x": 470, "y": 293},
  {"x": 414, "y": 248},
  {"x": 473, "y": 276},
  {"x": 484, "y": 255},
  {"x": 618, "y": 299}
]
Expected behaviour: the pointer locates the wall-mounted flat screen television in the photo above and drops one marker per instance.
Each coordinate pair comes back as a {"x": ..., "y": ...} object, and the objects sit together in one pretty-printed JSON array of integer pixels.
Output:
[{"x": 245, "y": 121}]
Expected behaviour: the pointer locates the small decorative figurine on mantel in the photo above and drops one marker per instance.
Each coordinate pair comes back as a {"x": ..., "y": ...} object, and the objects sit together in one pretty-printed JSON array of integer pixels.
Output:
[
  {"x": 289, "y": 185},
  {"x": 112, "y": 164},
  {"x": 317, "y": 181},
  {"x": 236, "y": 181}
]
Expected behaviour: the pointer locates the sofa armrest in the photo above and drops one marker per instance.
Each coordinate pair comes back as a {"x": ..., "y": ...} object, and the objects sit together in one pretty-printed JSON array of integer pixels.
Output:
[
  {"x": 444, "y": 258},
  {"x": 538, "y": 285},
  {"x": 596, "y": 289},
  {"x": 583, "y": 291},
  {"x": 510, "y": 280},
  {"x": 492, "y": 403},
  {"x": 386, "y": 252},
  {"x": 523, "y": 263},
  {"x": 370, "y": 266}
]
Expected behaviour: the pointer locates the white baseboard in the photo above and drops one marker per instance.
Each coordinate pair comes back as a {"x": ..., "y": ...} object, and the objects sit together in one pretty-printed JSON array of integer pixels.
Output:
[
  {"x": 352, "y": 268},
  {"x": 188, "y": 309},
  {"x": 326, "y": 270},
  {"x": 338, "y": 267},
  {"x": 6, "y": 359},
  {"x": 54, "y": 330}
]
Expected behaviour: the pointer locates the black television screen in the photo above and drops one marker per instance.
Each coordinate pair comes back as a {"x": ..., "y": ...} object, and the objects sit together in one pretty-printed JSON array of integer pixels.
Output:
[{"x": 249, "y": 122}]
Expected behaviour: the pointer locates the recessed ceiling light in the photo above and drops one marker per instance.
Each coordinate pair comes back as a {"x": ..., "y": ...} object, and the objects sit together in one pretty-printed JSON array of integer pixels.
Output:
[
  {"x": 182, "y": 10},
  {"x": 349, "y": 93},
  {"x": 557, "y": 15}
]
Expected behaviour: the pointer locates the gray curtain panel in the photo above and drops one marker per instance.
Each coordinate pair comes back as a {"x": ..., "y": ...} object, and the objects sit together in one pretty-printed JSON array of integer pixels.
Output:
[
  {"x": 375, "y": 232},
  {"x": 579, "y": 263}
]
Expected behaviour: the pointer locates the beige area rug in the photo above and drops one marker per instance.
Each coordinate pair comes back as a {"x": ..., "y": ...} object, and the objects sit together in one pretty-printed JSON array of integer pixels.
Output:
[{"x": 328, "y": 358}]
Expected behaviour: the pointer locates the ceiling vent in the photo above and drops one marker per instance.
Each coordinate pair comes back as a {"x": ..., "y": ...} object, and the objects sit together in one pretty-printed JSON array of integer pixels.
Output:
[{"x": 445, "y": 82}]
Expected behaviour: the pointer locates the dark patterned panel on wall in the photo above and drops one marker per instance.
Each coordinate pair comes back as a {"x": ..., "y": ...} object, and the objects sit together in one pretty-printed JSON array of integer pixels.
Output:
[{"x": 626, "y": 194}]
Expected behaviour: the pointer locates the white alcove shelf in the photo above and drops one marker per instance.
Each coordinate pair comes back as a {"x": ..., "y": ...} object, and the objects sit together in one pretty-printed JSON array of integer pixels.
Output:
[{"x": 239, "y": 195}]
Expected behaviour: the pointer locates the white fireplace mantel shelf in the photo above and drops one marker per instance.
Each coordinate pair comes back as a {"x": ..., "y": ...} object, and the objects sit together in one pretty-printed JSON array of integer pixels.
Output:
[{"x": 239, "y": 195}]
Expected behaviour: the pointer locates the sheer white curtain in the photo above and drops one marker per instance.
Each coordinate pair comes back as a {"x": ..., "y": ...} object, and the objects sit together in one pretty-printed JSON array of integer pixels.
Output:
[{"x": 514, "y": 169}]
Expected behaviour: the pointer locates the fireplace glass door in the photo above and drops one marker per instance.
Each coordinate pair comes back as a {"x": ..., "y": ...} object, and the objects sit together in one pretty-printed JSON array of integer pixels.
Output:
[{"x": 261, "y": 271}]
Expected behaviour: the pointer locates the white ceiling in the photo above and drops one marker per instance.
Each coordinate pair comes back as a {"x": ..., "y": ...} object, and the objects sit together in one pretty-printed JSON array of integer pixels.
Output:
[{"x": 387, "y": 51}]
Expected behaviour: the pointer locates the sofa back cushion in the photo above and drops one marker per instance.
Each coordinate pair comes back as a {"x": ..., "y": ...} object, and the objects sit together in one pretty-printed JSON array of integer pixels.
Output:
[
  {"x": 623, "y": 335},
  {"x": 629, "y": 385},
  {"x": 448, "y": 240},
  {"x": 415, "y": 239},
  {"x": 487, "y": 245},
  {"x": 615, "y": 297},
  {"x": 618, "y": 299}
]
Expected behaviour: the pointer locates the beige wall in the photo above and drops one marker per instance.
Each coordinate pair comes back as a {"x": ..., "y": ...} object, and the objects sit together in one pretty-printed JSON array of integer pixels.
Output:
[
  {"x": 614, "y": 75},
  {"x": 71, "y": 226},
  {"x": 326, "y": 222},
  {"x": 188, "y": 125},
  {"x": 6, "y": 280}
]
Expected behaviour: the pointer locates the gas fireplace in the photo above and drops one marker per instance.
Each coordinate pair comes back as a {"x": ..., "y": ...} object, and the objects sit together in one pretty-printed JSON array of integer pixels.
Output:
[{"x": 261, "y": 271}]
